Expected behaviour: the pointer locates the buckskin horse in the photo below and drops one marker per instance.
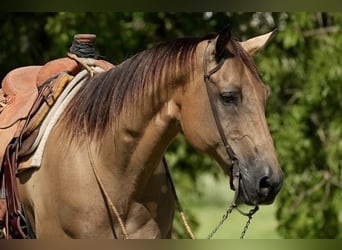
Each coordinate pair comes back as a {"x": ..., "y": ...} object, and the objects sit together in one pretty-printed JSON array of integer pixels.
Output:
[{"x": 101, "y": 174}]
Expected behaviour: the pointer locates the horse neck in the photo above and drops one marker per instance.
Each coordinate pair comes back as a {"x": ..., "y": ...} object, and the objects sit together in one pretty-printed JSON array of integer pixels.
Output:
[{"x": 142, "y": 133}]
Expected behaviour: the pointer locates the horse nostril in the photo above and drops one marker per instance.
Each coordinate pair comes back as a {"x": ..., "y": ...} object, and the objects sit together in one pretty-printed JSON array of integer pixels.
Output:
[
  {"x": 268, "y": 187},
  {"x": 265, "y": 183}
]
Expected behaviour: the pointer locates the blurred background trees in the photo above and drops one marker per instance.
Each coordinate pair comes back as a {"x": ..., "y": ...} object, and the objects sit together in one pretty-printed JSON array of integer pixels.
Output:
[{"x": 302, "y": 65}]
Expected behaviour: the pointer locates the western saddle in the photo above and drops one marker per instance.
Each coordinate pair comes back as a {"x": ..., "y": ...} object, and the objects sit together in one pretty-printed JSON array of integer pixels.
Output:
[{"x": 26, "y": 97}]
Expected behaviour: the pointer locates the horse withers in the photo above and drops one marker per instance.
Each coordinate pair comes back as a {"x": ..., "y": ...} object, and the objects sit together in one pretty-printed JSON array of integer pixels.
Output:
[{"x": 101, "y": 173}]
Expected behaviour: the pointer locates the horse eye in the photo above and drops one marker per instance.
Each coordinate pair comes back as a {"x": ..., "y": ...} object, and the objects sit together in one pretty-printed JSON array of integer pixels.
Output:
[{"x": 231, "y": 97}]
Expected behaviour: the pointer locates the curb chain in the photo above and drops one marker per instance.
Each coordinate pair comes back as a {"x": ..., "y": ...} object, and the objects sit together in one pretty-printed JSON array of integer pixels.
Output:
[{"x": 225, "y": 217}]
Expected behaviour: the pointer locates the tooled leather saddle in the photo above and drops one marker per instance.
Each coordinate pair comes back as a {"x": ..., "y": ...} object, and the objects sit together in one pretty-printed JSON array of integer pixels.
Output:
[{"x": 26, "y": 97}]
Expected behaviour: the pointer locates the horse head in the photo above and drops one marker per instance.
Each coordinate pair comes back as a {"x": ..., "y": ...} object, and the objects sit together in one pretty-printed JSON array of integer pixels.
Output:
[{"x": 223, "y": 114}]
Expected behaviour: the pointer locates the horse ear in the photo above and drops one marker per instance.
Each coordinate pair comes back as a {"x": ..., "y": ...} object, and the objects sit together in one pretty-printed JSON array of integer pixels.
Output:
[
  {"x": 254, "y": 44},
  {"x": 221, "y": 43}
]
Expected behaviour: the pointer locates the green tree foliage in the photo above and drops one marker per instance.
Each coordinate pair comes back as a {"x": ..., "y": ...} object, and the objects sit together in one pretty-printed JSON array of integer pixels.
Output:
[{"x": 301, "y": 65}]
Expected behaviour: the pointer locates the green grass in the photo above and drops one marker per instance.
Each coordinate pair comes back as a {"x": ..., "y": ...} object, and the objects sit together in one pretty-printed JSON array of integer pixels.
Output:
[{"x": 211, "y": 206}]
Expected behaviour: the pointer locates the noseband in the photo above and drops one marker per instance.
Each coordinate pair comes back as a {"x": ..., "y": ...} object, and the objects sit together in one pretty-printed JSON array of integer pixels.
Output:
[{"x": 234, "y": 169}]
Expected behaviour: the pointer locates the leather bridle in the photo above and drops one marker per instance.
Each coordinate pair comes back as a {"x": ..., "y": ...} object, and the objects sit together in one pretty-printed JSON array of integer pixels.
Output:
[
  {"x": 234, "y": 169},
  {"x": 235, "y": 174}
]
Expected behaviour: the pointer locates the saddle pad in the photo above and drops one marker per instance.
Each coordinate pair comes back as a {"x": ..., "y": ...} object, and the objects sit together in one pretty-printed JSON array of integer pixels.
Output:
[{"x": 51, "y": 119}]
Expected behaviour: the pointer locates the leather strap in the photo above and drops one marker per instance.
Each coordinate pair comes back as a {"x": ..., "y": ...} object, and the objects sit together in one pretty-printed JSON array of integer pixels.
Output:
[{"x": 235, "y": 173}]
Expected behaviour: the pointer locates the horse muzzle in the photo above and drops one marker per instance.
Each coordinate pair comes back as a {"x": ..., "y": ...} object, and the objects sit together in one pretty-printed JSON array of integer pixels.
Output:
[{"x": 257, "y": 187}]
